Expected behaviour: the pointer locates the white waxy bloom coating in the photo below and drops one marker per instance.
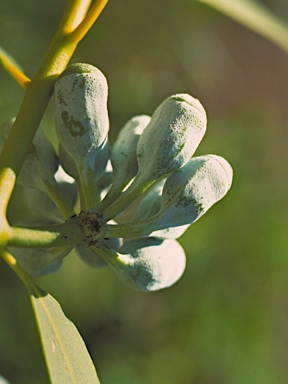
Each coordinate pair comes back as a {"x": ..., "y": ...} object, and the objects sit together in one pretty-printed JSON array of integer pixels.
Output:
[
  {"x": 123, "y": 153},
  {"x": 150, "y": 264},
  {"x": 172, "y": 136},
  {"x": 81, "y": 114},
  {"x": 150, "y": 205},
  {"x": 190, "y": 191},
  {"x": 187, "y": 194}
]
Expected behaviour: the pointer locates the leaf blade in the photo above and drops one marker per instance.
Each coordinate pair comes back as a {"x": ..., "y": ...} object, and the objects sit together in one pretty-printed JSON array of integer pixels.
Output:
[
  {"x": 66, "y": 355},
  {"x": 255, "y": 16}
]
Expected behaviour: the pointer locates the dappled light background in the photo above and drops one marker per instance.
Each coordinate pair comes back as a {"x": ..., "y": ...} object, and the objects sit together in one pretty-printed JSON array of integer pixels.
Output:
[{"x": 225, "y": 321}]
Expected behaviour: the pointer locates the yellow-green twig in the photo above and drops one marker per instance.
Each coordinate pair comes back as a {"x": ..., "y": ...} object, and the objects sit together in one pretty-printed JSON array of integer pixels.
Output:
[
  {"x": 9, "y": 64},
  {"x": 36, "y": 99},
  {"x": 89, "y": 20},
  {"x": 40, "y": 89},
  {"x": 24, "y": 277},
  {"x": 67, "y": 234}
]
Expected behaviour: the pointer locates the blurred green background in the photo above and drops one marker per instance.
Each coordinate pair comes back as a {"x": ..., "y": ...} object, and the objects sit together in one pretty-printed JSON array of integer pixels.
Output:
[{"x": 225, "y": 321}]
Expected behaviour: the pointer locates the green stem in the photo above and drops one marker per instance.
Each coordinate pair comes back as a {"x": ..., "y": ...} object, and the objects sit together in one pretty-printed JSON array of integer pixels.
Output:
[
  {"x": 32, "y": 109},
  {"x": 112, "y": 195},
  {"x": 107, "y": 254},
  {"x": 7, "y": 182},
  {"x": 40, "y": 89},
  {"x": 89, "y": 20},
  {"x": 135, "y": 229},
  {"x": 125, "y": 199},
  {"x": 90, "y": 193},
  {"x": 67, "y": 234}
]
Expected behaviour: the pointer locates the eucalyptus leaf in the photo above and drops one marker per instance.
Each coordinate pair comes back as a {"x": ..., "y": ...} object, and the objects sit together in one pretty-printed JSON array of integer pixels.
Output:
[
  {"x": 255, "y": 16},
  {"x": 3, "y": 380},
  {"x": 67, "y": 358}
]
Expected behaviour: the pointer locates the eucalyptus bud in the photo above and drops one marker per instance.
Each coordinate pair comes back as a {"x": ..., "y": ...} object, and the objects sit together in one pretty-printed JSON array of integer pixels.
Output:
[
  {"x": 151, "y": 202},
  {"x": 150, "y": 205},
  {"x": 172, "y": 136},
  {"x": 124, "y": 156},
  {"x": 167, "y": 143},
  {"x": 149, "y": 264},
  {"x": 123, "y": 153},
  {"x": 187, "y": 194},
  {"x": 81, "y": 109},
  {"x": 82, "y": 124}
]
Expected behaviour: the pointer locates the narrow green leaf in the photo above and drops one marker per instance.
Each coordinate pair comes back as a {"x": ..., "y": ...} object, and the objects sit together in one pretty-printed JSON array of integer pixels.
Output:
[
  {"x": 256, "y": 16},
  {"x": 66, "y": 354},
  {"x": 3, "y": 380}
]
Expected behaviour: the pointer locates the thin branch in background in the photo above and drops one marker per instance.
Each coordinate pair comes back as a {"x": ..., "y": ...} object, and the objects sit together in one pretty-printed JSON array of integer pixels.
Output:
[
  {"x": 89, "y": 20},
  {"x": 10, "y": 65}
]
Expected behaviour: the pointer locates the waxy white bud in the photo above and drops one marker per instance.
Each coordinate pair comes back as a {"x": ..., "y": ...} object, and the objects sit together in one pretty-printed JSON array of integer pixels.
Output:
[
  {"x": 81, "y": 110},
  {"x": 190, "y": 191},
  {"x": 124, "y": 158},
  {"x": 149, "y": 264},
  {"x": 123, "y": 153},
  {"x": 167, "y": 143},
  {"x": 150, "y": 205},
  {"x": 172, "y": 136},
  {"x": 82, "y": 124},
  {"x": 187, "y": 194}
]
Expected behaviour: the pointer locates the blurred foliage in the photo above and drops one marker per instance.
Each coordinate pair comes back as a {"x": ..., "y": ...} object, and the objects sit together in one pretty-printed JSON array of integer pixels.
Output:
[{"x": 225, "y": 321}]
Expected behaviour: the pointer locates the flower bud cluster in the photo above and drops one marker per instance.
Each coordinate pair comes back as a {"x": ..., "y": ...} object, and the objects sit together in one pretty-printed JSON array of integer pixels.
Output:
[{"x": 151, "y": 159}]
